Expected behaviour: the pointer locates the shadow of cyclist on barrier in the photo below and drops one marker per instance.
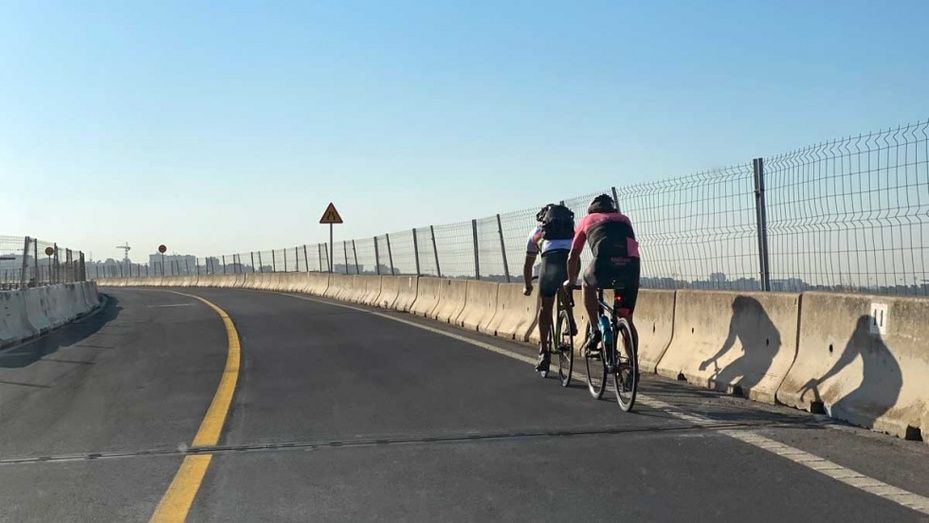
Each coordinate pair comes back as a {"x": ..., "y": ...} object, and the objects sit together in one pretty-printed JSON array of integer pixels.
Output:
[
  {"x": 760, "y": 341},
  {"x": 881, "y": 379}
]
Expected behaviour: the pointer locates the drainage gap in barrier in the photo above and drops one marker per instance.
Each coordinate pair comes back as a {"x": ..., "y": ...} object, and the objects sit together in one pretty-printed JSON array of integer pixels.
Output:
[
  {"x": 913, "y": 434},
  {"x": 681, "y": 377},
  {"x": 817, "y": 407},
  {"x": 736, "y": 390}
]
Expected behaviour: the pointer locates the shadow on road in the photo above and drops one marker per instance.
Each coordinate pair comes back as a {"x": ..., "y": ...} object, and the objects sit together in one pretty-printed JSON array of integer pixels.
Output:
[
  {"x": 760, "y": 340},
  {"x": 32, "y": 351}
]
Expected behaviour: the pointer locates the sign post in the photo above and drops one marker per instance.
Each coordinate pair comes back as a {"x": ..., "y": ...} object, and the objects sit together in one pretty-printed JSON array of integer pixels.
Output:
[
  {"x": 162, "y": 249},
  {"x": 330, "y": 216}
]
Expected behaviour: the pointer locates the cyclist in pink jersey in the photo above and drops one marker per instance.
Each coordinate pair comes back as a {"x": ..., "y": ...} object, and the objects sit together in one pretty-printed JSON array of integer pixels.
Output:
[{"x": 615, "y": 265}]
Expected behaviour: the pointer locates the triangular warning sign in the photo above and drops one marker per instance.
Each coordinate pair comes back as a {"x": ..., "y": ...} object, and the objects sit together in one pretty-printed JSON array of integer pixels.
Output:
[{"x": 331, "y": 215}]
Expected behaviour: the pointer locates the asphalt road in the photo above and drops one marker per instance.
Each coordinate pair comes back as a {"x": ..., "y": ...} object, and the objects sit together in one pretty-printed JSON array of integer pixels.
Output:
[{"x": 343, "y": 415}]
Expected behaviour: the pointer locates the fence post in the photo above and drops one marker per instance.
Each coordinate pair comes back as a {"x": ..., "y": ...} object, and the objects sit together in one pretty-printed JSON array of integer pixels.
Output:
[
  {"x": 762, "y": 218},
  {"x": 57, "y": 274},
  {"x": 615, "y": 199},
  {"x": 25, "y": 264},
  {"x": 319, "y": 250},
  {"x": 390, "y": 255},
  {"x": 506, "y": 266},
  {"x": 345, "y": 254},
  {"x": 35, "y": 260},
  {"x": 355, "y": 254},
  {"x": 224, "y": 263},
  {"x": 273, "y": 261},
  {"x": 377, "y": 258},
  {"x": 296, "y": 258},
  {"x": 416, "y": 251},
  {"x": 435, "y": 250},
  {"x": 284, "y": 255},
  {"x": 477, "y": 257},
  {"x": 306, "y": 259}
]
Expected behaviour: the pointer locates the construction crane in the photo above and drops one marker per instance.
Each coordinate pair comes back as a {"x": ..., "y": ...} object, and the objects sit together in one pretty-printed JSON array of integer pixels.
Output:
[{"x": 125, "y": 249}]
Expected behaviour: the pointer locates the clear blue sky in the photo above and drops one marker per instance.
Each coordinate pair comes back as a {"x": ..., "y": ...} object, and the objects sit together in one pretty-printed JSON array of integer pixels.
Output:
[{"x": 224, "y": 127}]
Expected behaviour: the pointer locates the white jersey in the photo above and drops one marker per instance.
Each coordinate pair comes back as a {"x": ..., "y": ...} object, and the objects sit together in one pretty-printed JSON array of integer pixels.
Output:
[{"x": 536, "y": 243}]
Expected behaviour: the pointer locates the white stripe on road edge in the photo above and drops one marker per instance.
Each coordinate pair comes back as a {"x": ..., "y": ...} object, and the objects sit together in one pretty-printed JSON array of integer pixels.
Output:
[{"x": 823, "y": 466}]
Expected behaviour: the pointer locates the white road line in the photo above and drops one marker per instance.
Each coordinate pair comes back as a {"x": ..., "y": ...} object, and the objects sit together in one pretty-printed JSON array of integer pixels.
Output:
[{"x": 828, "y": 468}]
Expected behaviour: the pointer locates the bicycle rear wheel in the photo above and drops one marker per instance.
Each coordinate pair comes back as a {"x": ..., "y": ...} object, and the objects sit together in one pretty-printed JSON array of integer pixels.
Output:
[
  {"x": 565, "y": 347},
  {"x": 596, "y": 370},
  {"x": 626, "y": 370}
]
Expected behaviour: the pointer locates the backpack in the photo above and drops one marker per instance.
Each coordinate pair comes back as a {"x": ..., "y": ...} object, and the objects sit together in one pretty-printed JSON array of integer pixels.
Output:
[{"x": 558, "y": 223}]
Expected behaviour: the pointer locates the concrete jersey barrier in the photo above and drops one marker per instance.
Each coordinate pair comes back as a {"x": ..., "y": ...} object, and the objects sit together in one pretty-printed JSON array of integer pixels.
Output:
[
  {"x": 451, "y": 301},
  {"x": 515, "y": 315},
  {"x": 317, "y": 283},
  {"x": 397, "y": 292},
  {"x": 339, "y": 285},
  {"x": 14, "y": 325},
  {"x": 863, "y": 359},
  {"x": 480, "y": 305},
  {"x": 428, "y": 293},
  {"x": 372, "y": 289},
  {"x": 654, "y": 321},
  {"x": 736, "y": 342}
]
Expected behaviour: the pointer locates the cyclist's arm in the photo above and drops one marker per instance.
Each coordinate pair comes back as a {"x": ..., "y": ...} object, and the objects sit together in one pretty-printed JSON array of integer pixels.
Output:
[
  {"x": 532, "y": 251},
  {"x": 527, "y": 268},
  {"x": 574, "y": 258}
]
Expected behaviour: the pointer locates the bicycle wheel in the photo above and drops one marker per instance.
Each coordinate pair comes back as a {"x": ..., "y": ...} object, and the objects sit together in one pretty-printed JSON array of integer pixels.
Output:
[
  {"x": 565, "y": 344},
  {"x": 596, "y": 370},
  {"x": 626, "y": 370}
]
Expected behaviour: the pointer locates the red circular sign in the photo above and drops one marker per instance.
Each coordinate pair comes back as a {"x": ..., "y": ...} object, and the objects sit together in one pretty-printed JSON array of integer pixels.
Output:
[
  {"x": 49, "y": 251},
  {"x": 162, "y": 248}
]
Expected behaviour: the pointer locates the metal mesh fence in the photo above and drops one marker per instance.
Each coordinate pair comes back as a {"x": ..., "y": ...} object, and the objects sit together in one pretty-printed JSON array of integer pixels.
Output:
[
  {"x": 30, "y": 262},
  {"x": 846, "y": 215},
  {"x": 697, "y": 231},
  {"x": 852, "y": 213}
]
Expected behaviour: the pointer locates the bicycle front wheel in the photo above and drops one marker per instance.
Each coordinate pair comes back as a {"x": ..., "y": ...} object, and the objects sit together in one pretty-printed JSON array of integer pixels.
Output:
[
  {"x": 596, "y": 369},
  {"x": 565, "y": 348},
  {"x": 626, "y": 370}
]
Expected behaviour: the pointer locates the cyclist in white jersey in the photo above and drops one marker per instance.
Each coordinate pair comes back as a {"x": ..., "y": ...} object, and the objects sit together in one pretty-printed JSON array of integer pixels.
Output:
[{"x": 552, "y": 239}]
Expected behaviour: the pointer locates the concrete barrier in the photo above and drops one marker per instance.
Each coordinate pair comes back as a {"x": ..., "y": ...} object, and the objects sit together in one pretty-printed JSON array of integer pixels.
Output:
[
  {"x": 863, "y": 359},
  {"x": 339, "y": 285},
  {"x": 37, "y": 308},
  {"x": 742, "y": 343},
  {"x": 515, "y": 315},
  {"x": 371, "y": 290},
  {"x": 480, "y": 305},
  {"x": 397, "y": 292},
  {"x": 451, "y": 301},
  {"x": 654, "y": 320},
  {"x": 428, "y": 293},
  {"x": 317, "y": 283},
  {"x": 14, "y": 325}
]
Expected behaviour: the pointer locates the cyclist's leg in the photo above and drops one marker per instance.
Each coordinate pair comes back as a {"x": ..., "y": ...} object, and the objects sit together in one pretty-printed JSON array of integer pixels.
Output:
[
  {"x": 592, "y": 306},
  {"x": 545, "y": 321},
  {"x": 629, "y": 294}
]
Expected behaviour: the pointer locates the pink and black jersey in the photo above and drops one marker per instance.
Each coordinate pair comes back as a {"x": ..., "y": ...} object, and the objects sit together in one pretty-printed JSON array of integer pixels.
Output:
[{"x": 610, "y": 235}]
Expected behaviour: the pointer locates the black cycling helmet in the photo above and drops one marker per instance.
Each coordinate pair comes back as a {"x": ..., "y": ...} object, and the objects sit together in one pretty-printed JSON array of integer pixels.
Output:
[
  {"x": 602, "y": 203},
  {"x": 541, "y": 214}
]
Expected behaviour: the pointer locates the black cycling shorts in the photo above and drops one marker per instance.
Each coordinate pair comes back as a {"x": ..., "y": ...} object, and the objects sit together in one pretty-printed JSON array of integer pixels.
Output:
[
  {"x": 553, "y": 273},
  {"x": 620, "y": 274}
]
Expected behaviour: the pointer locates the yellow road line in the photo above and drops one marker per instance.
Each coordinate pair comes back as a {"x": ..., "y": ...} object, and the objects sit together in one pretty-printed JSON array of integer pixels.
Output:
[{"x": 176, "y": 502}]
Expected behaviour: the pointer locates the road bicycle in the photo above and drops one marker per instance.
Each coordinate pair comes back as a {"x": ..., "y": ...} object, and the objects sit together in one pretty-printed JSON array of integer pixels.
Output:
[
  {"x": 616, "y": 355},
  {"x": 561, "y": 338}
]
